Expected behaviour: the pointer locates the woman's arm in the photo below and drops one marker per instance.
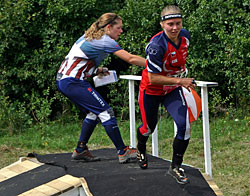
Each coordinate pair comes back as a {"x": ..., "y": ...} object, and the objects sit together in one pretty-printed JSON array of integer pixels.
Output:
[
  {"x": 131, "y": 58},
  {"x": 155, "y": 78}
]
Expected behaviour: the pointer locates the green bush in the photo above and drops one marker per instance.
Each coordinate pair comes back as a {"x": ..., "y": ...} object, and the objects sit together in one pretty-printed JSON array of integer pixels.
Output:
[
  {"x": 37, "y": 34},
  {"x": 13, "y": 116},
  {"x": 221, "y": 48}
]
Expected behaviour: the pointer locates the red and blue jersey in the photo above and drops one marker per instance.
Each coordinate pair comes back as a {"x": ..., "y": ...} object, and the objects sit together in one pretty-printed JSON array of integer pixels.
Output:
[{"x": 165, "y": 58}]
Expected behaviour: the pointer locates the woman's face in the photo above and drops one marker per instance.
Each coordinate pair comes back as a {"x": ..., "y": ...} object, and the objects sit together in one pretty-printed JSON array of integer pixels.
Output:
[
  {"x": 115, "y": 31},
  {"x": 172, "y": 27}
]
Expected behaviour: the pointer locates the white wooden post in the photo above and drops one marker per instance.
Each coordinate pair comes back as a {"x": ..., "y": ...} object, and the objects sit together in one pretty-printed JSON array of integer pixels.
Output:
[
  {"x": 132, "y": 113},
  {"x": 131, "y": 79},
  {"x": 205, "y": 119},
  {"x": 155, "y": 151},
  {"x": 206, "y": 131}
]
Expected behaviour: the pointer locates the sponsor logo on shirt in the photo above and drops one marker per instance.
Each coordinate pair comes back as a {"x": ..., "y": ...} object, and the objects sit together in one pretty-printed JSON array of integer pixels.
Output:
[
  {"x": 152, "y": 51},
  {"x": 174, "y": 61},
  {"x": 173, "y": 53}
]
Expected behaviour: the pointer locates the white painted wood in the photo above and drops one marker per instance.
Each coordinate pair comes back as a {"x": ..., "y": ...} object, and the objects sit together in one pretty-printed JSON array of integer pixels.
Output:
[
  {"x": 132, "y": 113},
  {"x": 155, "y": 149},
  {"x": 206, "y": 131}
]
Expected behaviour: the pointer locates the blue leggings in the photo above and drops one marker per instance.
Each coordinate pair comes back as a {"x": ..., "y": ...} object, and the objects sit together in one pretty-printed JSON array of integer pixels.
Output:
[
  {"x": 81, "y": 93},
  {"x": 175, "y": 104}
]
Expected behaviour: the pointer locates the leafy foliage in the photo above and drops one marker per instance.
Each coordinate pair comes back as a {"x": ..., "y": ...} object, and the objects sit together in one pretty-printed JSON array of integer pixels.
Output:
[
  {"x": 37, "y": 34},
  {"x": 221, "y": 47}
]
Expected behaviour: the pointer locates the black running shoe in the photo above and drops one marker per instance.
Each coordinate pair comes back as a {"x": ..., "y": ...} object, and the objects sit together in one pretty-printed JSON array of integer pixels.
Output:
[
  {"x": 85, "y": 155},
  {"x": 142, "y": 160},
  {"x": 178, "y": 174}
]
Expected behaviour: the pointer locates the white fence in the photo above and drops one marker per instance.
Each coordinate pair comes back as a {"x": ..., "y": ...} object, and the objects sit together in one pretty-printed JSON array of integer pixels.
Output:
[{"x": 205, "y": 118}]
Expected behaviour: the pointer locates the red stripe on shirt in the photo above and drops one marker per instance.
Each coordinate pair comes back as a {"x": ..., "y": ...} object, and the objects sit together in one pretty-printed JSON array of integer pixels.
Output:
[{"x": 77, "y": 61}]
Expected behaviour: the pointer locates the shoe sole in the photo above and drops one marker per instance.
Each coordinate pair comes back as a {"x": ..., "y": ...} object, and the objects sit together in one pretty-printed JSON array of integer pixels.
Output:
[
  {"x": 129, "y": 160},
  {"x": 144, "y": 166},
  {"x": 86, "y": 160},
  {"x": 81, "y": 157},
  {"x": 180, "y": 182}
]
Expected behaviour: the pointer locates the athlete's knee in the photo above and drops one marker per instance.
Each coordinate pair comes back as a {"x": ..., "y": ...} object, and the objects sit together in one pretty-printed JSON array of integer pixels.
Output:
[
  {"x": 91, "y": 117},
  {"x": 147, "y": 130},
  {"x": 107, "y": 117},
  {"x": 92, "y": 121},
  {"x": 183, "y": 131},
  {"x": 183, "y": 135}
]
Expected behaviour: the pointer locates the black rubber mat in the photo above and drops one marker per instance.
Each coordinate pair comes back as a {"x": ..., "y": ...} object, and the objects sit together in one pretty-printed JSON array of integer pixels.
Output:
[{"x": 108, "y": 177}]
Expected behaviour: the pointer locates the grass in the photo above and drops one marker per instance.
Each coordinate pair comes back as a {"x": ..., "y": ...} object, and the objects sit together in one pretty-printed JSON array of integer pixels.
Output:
[{"x": 230, "y": 144}]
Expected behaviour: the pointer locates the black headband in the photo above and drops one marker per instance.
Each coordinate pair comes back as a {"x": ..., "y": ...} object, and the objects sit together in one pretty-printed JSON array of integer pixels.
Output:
[
  {"x": 116, "y": 16},
  {"x": 170, "y": 16}
]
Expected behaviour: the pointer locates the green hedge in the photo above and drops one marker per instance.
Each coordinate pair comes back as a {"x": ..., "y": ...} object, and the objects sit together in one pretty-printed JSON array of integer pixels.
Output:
[{"x": 37, "y": 34}]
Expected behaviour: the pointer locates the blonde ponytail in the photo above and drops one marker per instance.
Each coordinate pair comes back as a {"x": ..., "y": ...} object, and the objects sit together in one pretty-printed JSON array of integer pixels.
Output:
[{"x": 97, "y": 29}]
